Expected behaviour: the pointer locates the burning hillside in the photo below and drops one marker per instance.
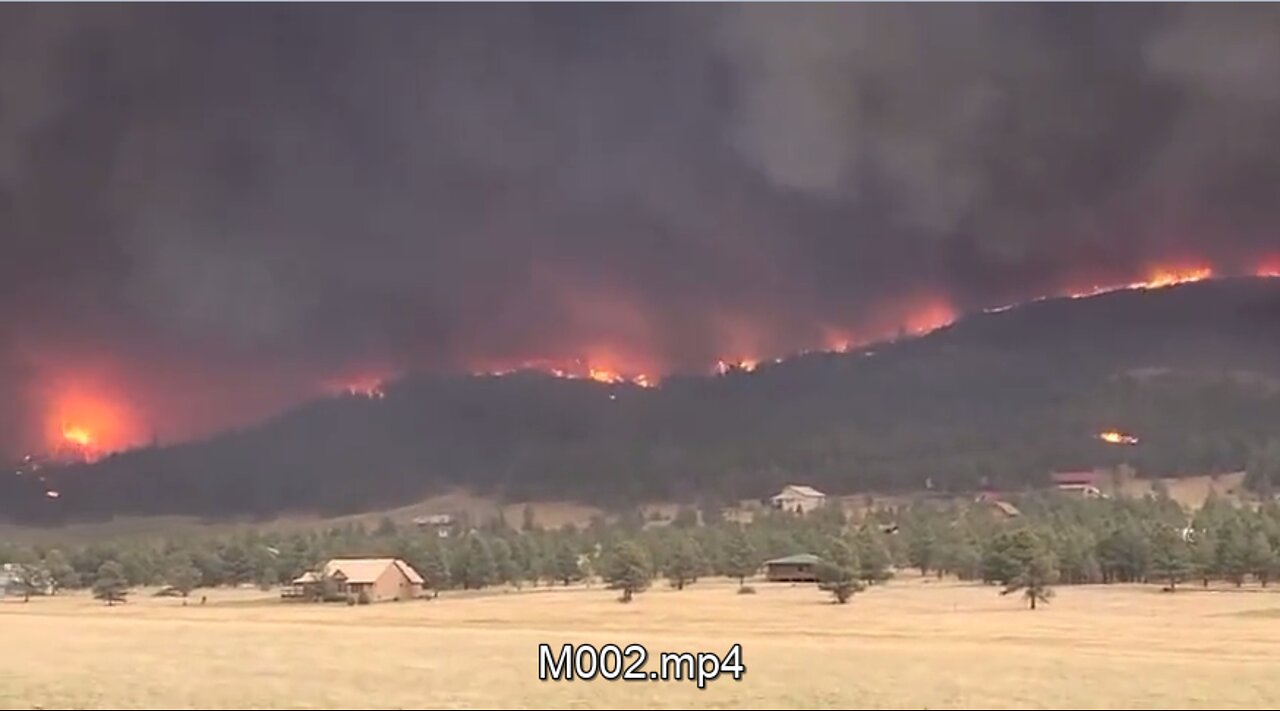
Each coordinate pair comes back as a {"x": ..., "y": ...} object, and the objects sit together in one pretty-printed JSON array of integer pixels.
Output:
[{"x": 85, "y": 422}]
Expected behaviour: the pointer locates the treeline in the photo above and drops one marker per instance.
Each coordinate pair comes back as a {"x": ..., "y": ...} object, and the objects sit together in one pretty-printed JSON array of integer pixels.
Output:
[
  {"x": 1001, "y": 398},
  {"x": 1055, "y": 541}
]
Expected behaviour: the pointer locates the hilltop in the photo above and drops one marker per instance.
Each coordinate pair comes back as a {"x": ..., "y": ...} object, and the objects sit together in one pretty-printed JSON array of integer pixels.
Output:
[{"x": 999, "y": 398}]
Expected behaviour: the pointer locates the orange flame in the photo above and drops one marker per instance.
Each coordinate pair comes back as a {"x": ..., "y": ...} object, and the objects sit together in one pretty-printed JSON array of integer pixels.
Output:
[
  {"x": 84, "y": 423},
  {"x": 1116, "y": 437}
]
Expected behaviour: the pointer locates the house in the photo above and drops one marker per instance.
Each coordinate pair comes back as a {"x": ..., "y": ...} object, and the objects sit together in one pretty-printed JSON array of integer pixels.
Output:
[
  {"x": 371, "y": 579},
  {"x": 441, "y": 524},
  {"x": 798, "y": 499},
  {"x": 995, "y": 501},
  {"x": 800, "y": 568},
  {"x": 1082, "y": 483}
]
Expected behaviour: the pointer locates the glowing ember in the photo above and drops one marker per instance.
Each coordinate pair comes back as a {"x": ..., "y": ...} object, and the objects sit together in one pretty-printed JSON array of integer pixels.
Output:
[
  {"x": 1115, "y": 437},
  {"x": 52, "y": 494}
]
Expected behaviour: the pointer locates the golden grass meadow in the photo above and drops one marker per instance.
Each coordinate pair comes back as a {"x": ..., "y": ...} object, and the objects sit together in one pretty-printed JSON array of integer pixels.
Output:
[{"x": 912, "y": 643}]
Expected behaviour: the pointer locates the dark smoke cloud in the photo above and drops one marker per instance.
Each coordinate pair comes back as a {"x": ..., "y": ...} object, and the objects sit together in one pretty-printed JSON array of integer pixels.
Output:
[{"x": 232, "y": 202}]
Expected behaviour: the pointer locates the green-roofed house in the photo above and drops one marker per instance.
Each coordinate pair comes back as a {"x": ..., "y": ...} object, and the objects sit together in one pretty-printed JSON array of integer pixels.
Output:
[{"x": 799, "y": 568}]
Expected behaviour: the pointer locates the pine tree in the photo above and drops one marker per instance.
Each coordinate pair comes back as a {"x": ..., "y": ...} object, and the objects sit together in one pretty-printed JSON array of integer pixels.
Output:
[
  {"x": 504, "y": 563},
  {"x": 567, "y": 565},
  {"x": 31, "y": 579},
  {"x": 435, "y": 565},
  {"x": 182, "y": 575},
  {"x": 61, "y": 575},
  {"x": 839, "y": 570},
  {"x": 1170, "y": 556},
  {"x": 921, "y": 547},
  {"x": 473, "y": 566},
  {"x": 741, "y": 559},
  {"x": 528, "y": 521},
  {"x": 1204, "y": 556},
  {"x": 685, "y": 561},
  {"x": 873, "y": 555},
  {"x": 1033, "y": 566},
  {"x": 1261, "y": 558},
  {"x": 110, "y": 585},
  {"x": 628, "y": 568}
]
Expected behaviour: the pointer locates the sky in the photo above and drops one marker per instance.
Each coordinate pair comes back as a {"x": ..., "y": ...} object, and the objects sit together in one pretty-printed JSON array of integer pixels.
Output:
[{"x": 211, "y": 212}]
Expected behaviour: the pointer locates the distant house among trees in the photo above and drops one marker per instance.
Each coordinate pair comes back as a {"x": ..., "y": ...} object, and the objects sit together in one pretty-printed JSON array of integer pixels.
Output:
[
  {"x": 442, "y": 524},
  {"x": 800, "y": 568},
  {"x": 1083, "y": 483},
  {"x": 796, "y": 498},
  {"x": 359, "y": 579}
]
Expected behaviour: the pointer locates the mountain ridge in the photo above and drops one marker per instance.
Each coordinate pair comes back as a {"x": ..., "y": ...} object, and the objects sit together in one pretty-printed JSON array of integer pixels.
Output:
[{"x": 997, "y": 397}]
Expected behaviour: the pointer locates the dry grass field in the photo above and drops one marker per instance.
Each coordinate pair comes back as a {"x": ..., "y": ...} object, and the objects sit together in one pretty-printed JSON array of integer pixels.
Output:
[{"x": 910, "y": 644}]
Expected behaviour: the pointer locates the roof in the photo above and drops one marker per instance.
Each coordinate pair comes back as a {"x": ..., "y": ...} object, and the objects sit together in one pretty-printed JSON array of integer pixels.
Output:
[
  {"x": 1087, "y": 477},
  {"x": 800, "y": 491},
  {"x": 367, "y": 570},
  {"x": 797, "y": 559},
  {"x": 307, "y": 577},
  {"x": 1006, "y": 508}
]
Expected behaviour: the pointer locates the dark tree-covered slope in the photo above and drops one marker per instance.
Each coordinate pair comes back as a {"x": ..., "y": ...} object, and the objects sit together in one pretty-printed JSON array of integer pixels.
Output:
[{"x": 1194, "y": 371}]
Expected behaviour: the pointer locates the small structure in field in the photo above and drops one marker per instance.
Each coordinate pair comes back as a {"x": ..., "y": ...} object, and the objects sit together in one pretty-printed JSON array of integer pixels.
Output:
[
  {"x": 797, "y": 498},
  {"x": 799, "y": 568},
  {"x": 359, "y": 579}
]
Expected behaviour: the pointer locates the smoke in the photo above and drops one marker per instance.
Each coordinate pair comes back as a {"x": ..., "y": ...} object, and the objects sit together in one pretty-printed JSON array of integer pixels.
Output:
[{"x": 239, "y": 202}]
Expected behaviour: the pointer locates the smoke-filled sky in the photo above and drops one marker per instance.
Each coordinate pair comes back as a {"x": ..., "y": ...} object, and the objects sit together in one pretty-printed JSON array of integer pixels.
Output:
[{"x": 209, "y": 212}]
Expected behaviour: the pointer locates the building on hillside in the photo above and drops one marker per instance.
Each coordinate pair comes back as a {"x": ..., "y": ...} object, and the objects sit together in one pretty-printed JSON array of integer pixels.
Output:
[
  {"x": 995, "y": 501},
  {"x": 442, "y": 524},
  {"x": 796, "y": 498},
  {"x": 371, "y": 579},
  {"x": 1082, "y": 483},
  {"x": 799, "y": 568}
]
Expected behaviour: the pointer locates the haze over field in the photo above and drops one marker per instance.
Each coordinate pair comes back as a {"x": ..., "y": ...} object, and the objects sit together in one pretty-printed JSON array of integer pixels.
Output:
[{"x": 208, "y": 214}]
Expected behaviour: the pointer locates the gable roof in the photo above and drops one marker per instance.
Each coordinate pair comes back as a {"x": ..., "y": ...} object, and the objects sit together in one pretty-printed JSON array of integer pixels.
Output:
[
  {"x": 367, "y": 570},
  {"x": 797, "y": 559},
  {"x": 800, "y": 490}
]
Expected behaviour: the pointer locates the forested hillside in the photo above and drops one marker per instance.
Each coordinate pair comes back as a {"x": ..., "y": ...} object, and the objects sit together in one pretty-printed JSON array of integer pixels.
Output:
[{"x": 1193, "y": 371}]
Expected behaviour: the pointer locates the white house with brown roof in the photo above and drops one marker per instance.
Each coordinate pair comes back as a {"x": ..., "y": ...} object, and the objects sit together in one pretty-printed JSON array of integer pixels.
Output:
[
  {"x": 797, "y": 498},
  {"x": 371, "y": 579}
]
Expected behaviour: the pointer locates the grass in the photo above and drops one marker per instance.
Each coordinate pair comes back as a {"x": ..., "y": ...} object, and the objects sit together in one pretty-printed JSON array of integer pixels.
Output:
[{"x": 909, "y": 644}]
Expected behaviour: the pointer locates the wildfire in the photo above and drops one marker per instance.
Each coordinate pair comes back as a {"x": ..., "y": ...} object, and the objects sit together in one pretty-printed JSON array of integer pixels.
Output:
[
  {"x": 77, "y": 435},
  {"x": 83, "y": 423},
  {"x": 1116, "y": 437},
  {"x": 573, "y": 370},
  {"x": 745, "y": 365},
  {"x": 365, "y": 386}
]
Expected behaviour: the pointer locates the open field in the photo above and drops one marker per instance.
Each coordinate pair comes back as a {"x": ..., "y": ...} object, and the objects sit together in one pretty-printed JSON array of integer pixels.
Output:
[{"x": 912, "y": 644}]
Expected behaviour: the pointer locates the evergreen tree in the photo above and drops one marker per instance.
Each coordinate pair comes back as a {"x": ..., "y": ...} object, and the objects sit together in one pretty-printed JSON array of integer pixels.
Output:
[
  {"x": 435, "y": 565},
  {"x": 1034, "y": 569},
  {"x": 1233, "y": 557},
  {"x": 31, "y": 578},
  {"x": 685, "y": 562},
  {"x": 110, "y": 585},
  {"x": 921, "y": 547},
  {"x": 182, "y": 576},
  {"x": 1261, "y": 559},
  {"x": 528, "y": 521},
  {"x": 1170, "y": 556},
  {"x": 567, "y": 564},
  {"x": 839, "y": 571},
  {"x": 1204, "y": 556},
  {"x": 741, "y": 559},
  {"x": 873, "y": 556},
  {"x": 628, "y": 568},
  {"x": 963, "y": 559},
  {"x": 504, "y": 563},
  {"x": 61, "y": 575},
  {"x": 474, "y": 567}
]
